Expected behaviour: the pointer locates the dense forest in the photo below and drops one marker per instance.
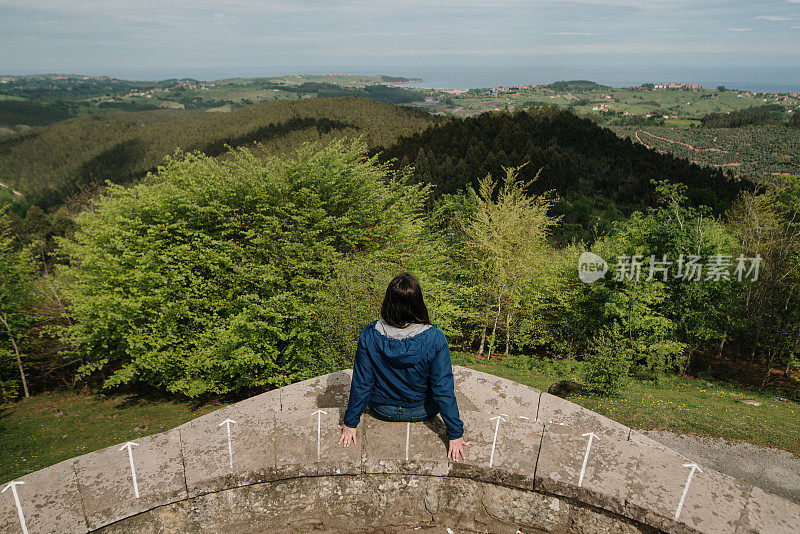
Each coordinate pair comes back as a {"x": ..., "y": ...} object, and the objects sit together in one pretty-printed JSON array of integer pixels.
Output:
[
  {"x": 735, "y": 119},
  {"x": 596, "y": 174}
]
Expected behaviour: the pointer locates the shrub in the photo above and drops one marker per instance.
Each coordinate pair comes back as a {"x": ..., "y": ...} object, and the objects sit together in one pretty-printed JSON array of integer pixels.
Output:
[
  {"x": 607, "y": 363},
  {"x": 206, "y": 277}
]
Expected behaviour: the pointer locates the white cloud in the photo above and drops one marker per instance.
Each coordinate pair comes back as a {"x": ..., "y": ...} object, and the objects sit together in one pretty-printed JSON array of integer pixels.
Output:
[
  {"x": 739, "y": 29},
  {"x": 572, "y": 33},
  {"x": 773, "y": 18}
]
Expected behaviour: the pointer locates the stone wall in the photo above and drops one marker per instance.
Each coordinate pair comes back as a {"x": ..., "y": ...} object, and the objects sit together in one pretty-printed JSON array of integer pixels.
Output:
[
  {"x": 375, "y": 502},
  {"x": 535, "y": 463}
]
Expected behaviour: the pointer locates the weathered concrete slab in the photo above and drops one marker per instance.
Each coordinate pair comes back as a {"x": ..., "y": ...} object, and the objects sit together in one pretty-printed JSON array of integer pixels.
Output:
[
  {"x": 511, "y": 461},
  {"x": 404, "y": 447},
  {"x": 647, "y": 442},
  {"x": 766, "y": 513},
  {"x": 385, "y": 503},
  {"x": 205, "y": 452},
  {"x": 468, "y": 506},
  {"x": 458, "y": 504},
  {"x": 307, "y": 443},
  {"x": 326, "y": 391},
  {"x": 269, "y": 507},
  {"x": 482, "y": 392},
  {"x": 610, "y": 467},
  {"x": 265, "y": 402},
  {"x": 106, "y": 485},
  {"x": 713, "y": 503},
  {"x": 556, "y": 410},
  {"x": 50, "y": 502},
  {"x": 212, "y": 466}
]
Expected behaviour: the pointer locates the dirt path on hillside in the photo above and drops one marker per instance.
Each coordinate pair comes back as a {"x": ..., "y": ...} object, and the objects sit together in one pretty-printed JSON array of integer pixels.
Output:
[
  {"x": 692, "y": 147},
  {"x": 772, "y": 470},
  {"x": 17, "y": 193},
  {"x": 687, "y": 145}
]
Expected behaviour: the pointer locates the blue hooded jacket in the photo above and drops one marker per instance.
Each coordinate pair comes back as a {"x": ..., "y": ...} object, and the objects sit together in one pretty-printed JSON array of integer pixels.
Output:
[{"x": 403, "y": 372}]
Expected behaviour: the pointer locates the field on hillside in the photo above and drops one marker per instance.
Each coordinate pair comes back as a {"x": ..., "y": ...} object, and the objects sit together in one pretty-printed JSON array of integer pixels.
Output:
[
  {"x": 45, "y": 99},
  {"x": 758, "y": 152},
  {"x": 605, "y": 102}
]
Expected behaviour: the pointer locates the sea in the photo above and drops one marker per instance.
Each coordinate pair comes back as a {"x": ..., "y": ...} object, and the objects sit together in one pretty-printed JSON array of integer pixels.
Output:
[{"x": 747, "y": 78}]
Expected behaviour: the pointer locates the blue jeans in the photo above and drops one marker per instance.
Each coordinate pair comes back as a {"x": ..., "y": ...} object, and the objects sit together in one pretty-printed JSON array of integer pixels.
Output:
[{"x": 389, "y": 412}]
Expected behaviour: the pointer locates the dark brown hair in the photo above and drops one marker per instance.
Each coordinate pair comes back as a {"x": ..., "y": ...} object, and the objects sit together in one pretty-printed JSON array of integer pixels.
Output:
[{"x": 403, "y": 303}]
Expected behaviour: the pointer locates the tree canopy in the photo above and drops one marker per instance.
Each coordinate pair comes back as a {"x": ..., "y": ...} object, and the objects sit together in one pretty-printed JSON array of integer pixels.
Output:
[{"x": 204, "y": 277}]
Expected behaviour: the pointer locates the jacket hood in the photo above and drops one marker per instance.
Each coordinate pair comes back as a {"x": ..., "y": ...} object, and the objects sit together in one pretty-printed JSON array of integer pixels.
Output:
[{"x": 401, "y": 353}]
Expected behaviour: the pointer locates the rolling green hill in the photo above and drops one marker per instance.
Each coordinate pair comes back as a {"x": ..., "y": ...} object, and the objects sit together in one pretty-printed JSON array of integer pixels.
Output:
[
  {"x": 596, "y": 173},
  {"x": 48, "y": 164}
]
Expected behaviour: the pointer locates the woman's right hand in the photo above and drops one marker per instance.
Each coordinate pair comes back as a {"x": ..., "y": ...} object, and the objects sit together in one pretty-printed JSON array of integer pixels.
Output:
[{"x": 457, "y": 449}]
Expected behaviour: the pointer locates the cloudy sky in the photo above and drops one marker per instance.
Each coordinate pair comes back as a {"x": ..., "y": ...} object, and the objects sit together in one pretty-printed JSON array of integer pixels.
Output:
[{"x": 179, "y": 36}]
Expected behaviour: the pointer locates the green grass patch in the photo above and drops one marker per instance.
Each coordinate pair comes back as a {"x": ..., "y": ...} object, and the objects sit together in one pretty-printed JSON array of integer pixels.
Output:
[
  {"x": 681, "y": 123},
  {"x": 52, "y": 427}
]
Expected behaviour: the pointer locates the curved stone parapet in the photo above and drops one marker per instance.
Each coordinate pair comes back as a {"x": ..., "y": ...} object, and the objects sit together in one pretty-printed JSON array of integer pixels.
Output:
[{"x": 534, "y": 462}]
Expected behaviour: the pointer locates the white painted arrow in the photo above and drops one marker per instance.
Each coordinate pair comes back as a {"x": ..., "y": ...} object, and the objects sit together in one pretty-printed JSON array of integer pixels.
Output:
[
  {"x": 319, "y": 429},
  {"x": 13, "y": 486},
  {"x": 408, "y": 437},
  {"x": 227, "y": 423},
  {"x": 694, "y": 467},
  {"x": 130, "y": 446},
  {"x": 496, "y": 428},
  {"x": 591, "y": 436}
]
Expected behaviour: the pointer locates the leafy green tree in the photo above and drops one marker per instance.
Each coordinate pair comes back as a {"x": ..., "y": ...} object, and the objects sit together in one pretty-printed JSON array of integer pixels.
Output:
[
  {"x": 559, "y": 316},
  {"x": 768, "y": 226},
  {"x": 205, "y": 278},
  {"x": 665, "y": 311},
  {"x": 15, "y": 293},
  {"x": 506, "y": 241},
  {"x": 353, "y": 294}
]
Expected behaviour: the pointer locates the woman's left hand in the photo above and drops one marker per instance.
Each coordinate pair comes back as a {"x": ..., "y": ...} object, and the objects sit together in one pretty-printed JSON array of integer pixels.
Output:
[{"x": 348, "y": 435}]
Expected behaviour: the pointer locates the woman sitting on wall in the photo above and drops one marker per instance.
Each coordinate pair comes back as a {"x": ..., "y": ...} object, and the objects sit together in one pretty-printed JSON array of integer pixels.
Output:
[{"x": 402, "y": 369}]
